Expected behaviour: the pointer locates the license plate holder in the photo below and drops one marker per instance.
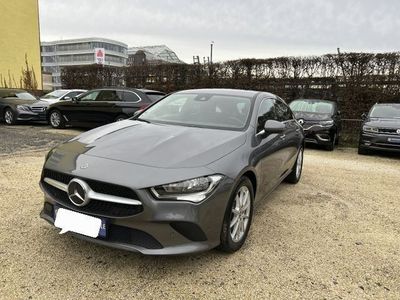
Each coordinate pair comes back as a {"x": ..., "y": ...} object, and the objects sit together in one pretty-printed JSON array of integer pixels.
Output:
[{"x": 97, "y": 229}]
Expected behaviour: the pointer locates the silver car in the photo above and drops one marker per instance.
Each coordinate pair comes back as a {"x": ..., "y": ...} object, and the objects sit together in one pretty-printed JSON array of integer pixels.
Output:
[{"x": 180, "y": 177}]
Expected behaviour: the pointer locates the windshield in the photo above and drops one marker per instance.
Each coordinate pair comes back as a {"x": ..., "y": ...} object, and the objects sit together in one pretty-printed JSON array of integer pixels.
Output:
[
  {"x": 390, "y": 111},
  {"x": 200, "y": 110},
  {"x": 20, "y": 95},
  {"x": 54, "y": 95},
  {"x": 313, "y": 106}
]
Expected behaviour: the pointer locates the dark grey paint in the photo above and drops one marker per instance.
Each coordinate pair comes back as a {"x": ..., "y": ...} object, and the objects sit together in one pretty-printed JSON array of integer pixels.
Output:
[{"x": 141, "y": 155}]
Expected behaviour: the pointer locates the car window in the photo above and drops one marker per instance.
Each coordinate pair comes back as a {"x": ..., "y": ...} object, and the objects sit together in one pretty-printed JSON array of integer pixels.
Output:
[
  {"x": 91, "y": 96},
  {"x": 154, "y": 96},
  {"x": 266, "y": 112},
  {"x": 131, "y": 97},
  {"x": 283, "y": 112},
  {"x": 72, "y": 94},
  {"x": 201, "y": 110},
  {"x": 109, "y": 95}
]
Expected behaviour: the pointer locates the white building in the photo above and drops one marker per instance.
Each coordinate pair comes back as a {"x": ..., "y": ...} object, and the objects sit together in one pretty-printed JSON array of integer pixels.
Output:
[{"x": 76, "y": 52}]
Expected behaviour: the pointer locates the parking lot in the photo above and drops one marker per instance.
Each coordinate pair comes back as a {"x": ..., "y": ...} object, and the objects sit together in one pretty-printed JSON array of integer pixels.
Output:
[{"x": 334, "y": 235}]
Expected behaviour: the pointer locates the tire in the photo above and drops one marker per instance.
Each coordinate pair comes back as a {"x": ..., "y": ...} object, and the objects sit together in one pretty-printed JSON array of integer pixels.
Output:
[
  {"x": 331, "y": 146},
  {"x": 233, "y": 235},
  {"x": 363, "y": 151},
  {"x": 120, "y": 118},
  {"x": 9, "y": 117},
  {"x": 56, "y": 120},
  {"x": 295, "y": 175}
]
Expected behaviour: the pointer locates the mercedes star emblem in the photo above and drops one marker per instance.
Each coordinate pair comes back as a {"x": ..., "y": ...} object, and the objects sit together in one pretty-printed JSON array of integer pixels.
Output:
[{"x": 78, "y": 192}]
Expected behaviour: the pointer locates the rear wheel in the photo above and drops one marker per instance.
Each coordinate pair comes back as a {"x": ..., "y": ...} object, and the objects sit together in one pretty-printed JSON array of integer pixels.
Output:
[
  {"x": 238, "y": 217},
  {"x": 9, "y": 117},
  {"x": 295, "y": 175},
  {"x": 56, "y": 119}
]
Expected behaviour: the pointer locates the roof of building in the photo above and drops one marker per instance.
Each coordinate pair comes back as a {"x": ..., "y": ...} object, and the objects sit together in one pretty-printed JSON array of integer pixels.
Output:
[
  {"x": 84, "y": 40},
  {"x": 157, "y": 52}
]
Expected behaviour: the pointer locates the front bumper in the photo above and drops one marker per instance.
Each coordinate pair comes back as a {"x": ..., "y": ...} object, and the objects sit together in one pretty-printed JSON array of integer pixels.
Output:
[
  {"x": 318, "y": 134},
  {"x": 381, "y": 142},
  {"x": 160, "y": 227},
  {"x": 30, "y": 116}
]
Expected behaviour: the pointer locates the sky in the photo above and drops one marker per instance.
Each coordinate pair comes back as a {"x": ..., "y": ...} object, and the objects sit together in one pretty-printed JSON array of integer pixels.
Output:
[{"x": 238, "y": 28}]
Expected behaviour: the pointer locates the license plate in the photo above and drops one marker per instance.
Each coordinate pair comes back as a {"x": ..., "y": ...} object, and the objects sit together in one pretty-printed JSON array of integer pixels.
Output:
[
  {"x": 394, "y": 140},
  {"x": 68, "y": 220}
]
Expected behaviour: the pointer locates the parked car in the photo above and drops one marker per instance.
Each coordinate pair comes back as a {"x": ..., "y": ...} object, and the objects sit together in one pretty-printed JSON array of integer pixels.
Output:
[
  {"x": 19, "y": 105},
  {"x": 180, "y": 177},
  {"x": 58, "y": 95},
  {"x": 100, "y": 106},
  {"x": 320, "y": 119},
  {"x": 380, "y": 129}
]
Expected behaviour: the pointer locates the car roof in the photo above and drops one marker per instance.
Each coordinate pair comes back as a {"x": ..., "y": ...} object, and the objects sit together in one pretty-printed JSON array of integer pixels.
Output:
[
  {"x": 314, "y": 99},
  {"x": 127, "y": 89},
  {"x": 146, "y": 91},
  {"x": 228, "y": 92},
  {"x": 387, "y": 104}
]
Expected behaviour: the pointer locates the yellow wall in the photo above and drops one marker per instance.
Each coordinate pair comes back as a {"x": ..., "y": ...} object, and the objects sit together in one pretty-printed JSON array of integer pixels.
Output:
[{"x": 19, "y": 35}]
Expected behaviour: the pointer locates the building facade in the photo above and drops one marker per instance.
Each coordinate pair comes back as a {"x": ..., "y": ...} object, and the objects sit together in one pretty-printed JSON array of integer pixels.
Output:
[
  {"x": 75, "y": 52},
  {"x": 20, "y": 44},
  {"x": 152, "y": 55}
]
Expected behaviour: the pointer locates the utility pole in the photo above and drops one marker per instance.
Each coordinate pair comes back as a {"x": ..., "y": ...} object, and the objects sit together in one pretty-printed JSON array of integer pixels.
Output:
[{"x": 211, "y": 52}]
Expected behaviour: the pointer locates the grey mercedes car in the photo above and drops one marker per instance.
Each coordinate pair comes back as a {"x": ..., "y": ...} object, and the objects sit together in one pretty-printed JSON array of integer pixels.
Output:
[{"x": 182, "y": 176}]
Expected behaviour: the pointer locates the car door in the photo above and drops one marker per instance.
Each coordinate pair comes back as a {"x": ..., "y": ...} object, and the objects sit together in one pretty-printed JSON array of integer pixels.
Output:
[
  {"x": 269, "y": 150},
  {"x": 105, "y": 109},
  {"x": 132, "y": 102},
  {"x": 291, "y": 138},
  {"x": 75, "y": 111}
]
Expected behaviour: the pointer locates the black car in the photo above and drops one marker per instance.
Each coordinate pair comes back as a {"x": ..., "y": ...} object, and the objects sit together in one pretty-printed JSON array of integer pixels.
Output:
[
  {"x": 380, "y": 129},
  {"x": 100, "y": 106},
  {"x": 320, "y": 120},
  {"x": 19, "y": 105}
]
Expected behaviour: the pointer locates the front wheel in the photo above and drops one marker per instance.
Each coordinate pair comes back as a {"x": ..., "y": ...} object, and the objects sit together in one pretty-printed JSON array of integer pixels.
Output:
[
  {"x": 331, "y": 146},
  {"x": 56, "y": 119},
  {"x": 238, "y": 217},
  {"x": 295, "y": 175},
  {"x": 9, "y": 117}
]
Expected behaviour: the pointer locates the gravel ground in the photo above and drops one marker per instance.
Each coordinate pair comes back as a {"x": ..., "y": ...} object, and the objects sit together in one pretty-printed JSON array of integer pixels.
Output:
[{"x": 334, "y": 235}]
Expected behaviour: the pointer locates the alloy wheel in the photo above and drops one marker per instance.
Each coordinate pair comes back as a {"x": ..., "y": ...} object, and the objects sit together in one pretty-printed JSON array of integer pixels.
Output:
[
  {"x": 55, "y": 119},
  {"x": 8, "y": 117},
  {"x": 299, "y": 163},
  {"x": 240, "y": 214}
]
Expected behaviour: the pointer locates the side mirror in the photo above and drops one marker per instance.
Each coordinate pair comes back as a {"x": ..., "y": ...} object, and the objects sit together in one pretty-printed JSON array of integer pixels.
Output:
[
  {"x": 75, "y": 99},
  {"x": 271, "y": 126},
  {"x": 364, "y": 116}
]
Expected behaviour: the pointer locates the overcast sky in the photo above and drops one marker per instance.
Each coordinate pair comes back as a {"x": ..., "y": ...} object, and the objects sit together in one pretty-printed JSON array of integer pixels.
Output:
[{"x": 239, "y": 28}]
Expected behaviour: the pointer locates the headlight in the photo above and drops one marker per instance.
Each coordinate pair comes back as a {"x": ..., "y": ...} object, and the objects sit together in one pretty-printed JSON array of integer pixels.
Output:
[
  {"x": 23, "y": 107},
  {"x": 326, "y": 123},
  {"x": 370, "y": 129},
  {"x": 193, "y": 190}
]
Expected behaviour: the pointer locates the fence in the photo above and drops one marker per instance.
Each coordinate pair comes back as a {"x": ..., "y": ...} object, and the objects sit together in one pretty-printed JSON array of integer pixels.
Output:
[{"x": 355, "y": 80}]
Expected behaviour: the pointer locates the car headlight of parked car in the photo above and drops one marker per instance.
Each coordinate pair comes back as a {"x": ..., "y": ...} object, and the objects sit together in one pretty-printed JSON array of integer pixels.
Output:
[
  {"x": 326, "y": 123},
  {"x": 23, "y": 108},
  {"x": 370, "y": 129},
  {"x": 193, "y": 190}
]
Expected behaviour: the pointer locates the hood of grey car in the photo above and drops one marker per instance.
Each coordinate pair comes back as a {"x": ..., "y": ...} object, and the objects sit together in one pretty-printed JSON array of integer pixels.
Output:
[
  {"x": 383, "y": 123},
  {"x": 158, "y": 145}
]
